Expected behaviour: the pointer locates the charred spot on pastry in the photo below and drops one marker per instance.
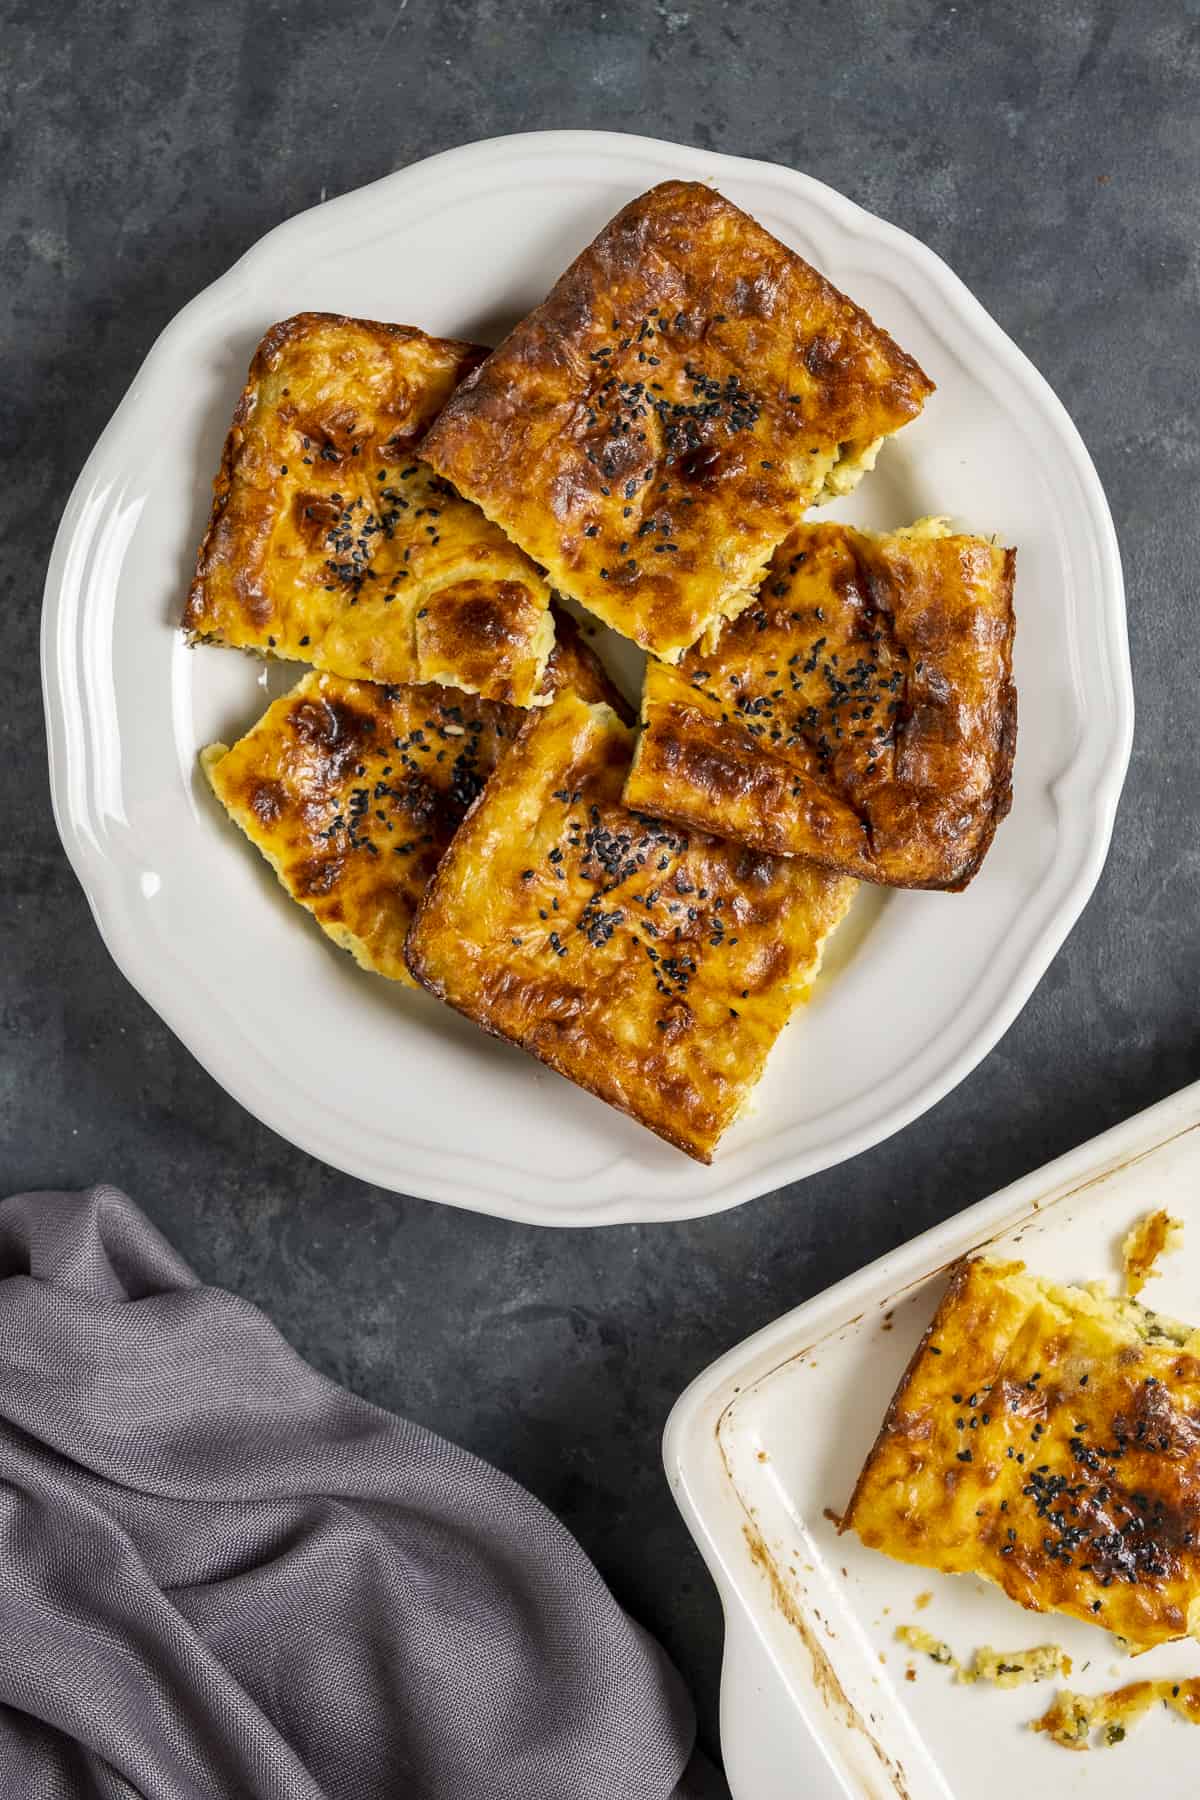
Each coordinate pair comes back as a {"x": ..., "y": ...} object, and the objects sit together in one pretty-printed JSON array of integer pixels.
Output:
[
  {"x": 313, "y": 518},
  {"x": 820, "y": 356},
  {"x": 313, "y": 880},
  {"x": 757, "y": 298},
  {"x": 486, "y": 617},
  {"x": 754, "y": 869},
  {"x": 331, "y": 724},
  {"x": 700, "y": 463},
  {"x": 266, "y": 801}
]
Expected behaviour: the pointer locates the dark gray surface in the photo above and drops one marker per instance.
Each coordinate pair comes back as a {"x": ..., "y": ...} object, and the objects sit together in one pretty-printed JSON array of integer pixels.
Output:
[{"x": 1051, "y": 153}]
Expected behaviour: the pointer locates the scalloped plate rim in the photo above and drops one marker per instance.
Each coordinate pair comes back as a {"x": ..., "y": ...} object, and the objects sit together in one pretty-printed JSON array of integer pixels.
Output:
[{"x": 1098, "y": 762}]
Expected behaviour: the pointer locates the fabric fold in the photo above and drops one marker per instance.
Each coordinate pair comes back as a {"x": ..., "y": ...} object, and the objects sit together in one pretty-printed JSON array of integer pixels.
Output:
[{"x": 222, "y": 1577}]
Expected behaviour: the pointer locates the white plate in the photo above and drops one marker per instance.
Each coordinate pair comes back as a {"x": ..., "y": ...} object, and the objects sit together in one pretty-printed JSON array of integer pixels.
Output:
[
  {"x": 377, "y": 1080},
  {"x": 775, "y": 1433}
]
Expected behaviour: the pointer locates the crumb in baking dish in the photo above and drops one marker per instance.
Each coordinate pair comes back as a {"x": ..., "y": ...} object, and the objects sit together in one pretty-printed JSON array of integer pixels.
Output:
[
  {"x": 1158, "y": 1234},
  {"x": 996, "y": 1668},
  {"x": 1073, "y": 1718}
]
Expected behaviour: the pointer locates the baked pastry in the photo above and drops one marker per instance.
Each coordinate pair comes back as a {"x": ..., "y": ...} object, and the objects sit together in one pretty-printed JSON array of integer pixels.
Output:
[
  {"x": 1072, "y": 1718},
  {"x": 1045, "y": 1437},
  {"x": 861, "y": 711},
  {"x": 352, "y": 790},
  {"x": 331, "y": 542},
  {"x": 686, "y": 387},
  {"x": 653, "y": 967}
]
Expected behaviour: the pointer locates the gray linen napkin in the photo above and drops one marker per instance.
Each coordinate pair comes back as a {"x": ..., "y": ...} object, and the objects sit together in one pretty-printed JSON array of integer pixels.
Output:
[{"x": 224, "y": 1578}]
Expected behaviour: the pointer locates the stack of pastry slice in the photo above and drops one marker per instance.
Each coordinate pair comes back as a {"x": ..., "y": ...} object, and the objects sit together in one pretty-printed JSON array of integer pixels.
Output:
[{"x": 455, "y": 792}]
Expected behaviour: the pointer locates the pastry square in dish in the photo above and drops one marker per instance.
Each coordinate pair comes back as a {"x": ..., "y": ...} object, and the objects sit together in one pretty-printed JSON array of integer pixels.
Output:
[
  {"x": 652, "y": 966},
  {"x": 687, "y": 387},
  {"x": 352, "y": 790},
  {"x": 333, "y": 543},
  {"x": 860, "y": 711},
  {"x": 1046, "y": 1438}
]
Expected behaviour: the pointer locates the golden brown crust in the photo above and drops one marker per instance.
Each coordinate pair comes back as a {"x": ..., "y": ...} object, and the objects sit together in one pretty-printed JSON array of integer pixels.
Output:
[
  {"x": 861, "y": 711},
  {"x": 651, "y": 967},
  {"x": 352, "y": 791},
  {"x": 647, "y": 431},
  {"x": 1040, "y": 1439},
  {"x": 330, "y": 542}
]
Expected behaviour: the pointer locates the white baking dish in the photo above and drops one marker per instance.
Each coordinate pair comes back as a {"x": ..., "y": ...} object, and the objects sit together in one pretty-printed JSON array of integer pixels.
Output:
[{"x": 764, "y": 1447}]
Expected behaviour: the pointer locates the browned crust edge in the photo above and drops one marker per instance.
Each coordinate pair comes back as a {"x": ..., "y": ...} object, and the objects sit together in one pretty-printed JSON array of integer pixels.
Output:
[
  {"x": 286, "y": 331},
  {"x": 990, "y": 821},
  {"x": 958, "y": 1281},
  {"x": 437, "y": 989},
  {"x": 433, "y": 986},
  {"x": 1007, "y": 750},
  {"x": 571, "y": 291}
]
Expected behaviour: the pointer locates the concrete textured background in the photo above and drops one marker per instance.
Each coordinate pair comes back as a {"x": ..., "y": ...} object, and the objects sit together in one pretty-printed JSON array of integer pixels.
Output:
[{"x": 1051, "y": 153}]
